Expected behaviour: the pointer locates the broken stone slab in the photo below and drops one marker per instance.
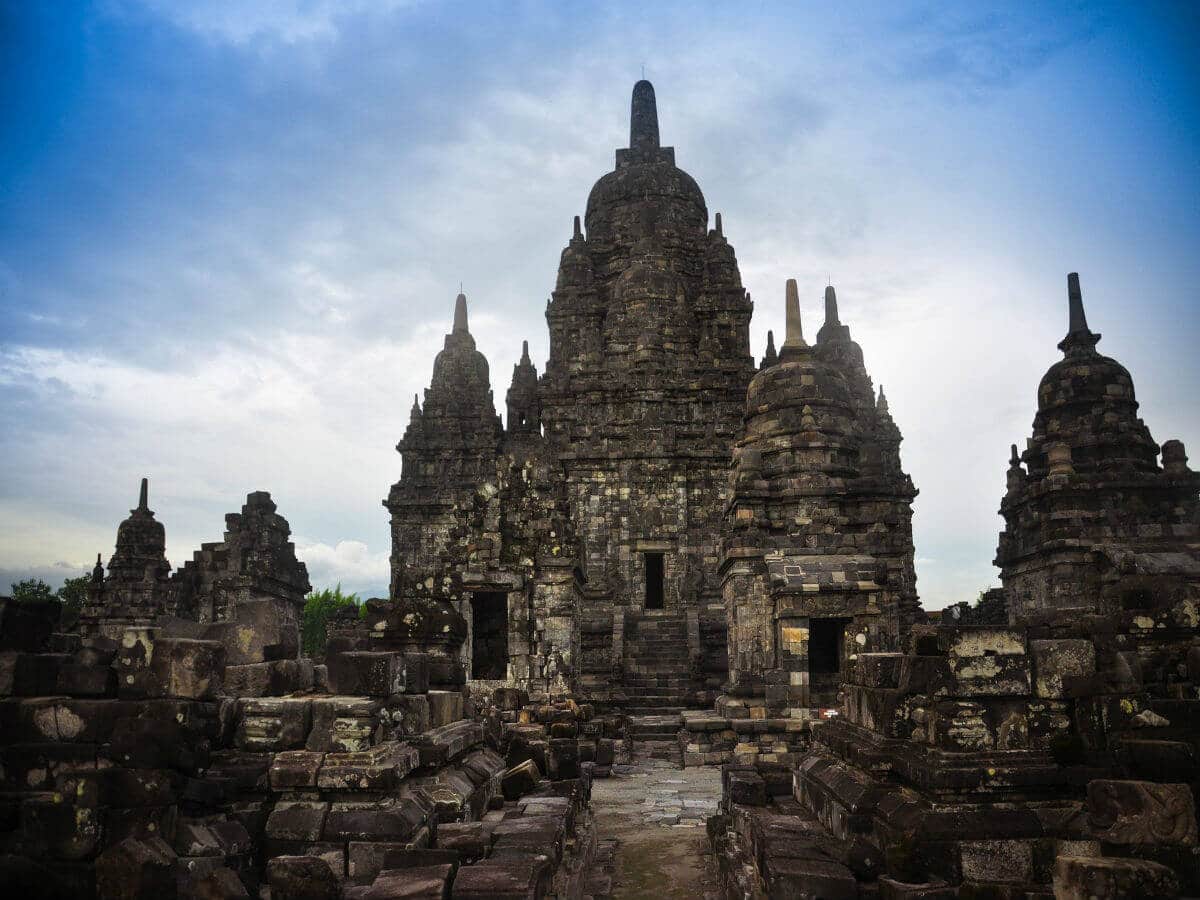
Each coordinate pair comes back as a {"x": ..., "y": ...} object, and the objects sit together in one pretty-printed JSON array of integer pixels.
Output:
[
  {"x": 1056, "y": 661},
  {"x": 302, "y": 878},
  {"x": 344, "y": 724},
  {"x": 274, "y": 723},
  {"x": 269, "y": 679},
  {"x": 295, "y": 770},
  {"x": 1087, "y": 877},
  {"x": 1142, "y": 812},
  {"x": 220, "y": 884},
  {"x": 544, "y": 834},
  {"x": 520, "y": 780},
  {"x": 406, "y": 715},
  {"x": 743, "y": 785},
  {"x": 380, "y": 768},
  {"x": 297, "y": 821},
  {"x": 503, "y": 879},
  {"x": 366, "y": 673},
  {"x": 190, "y": 669},
  {"x": 795, "y": 877},
  {"x": 469, "y": 839},
  {"x": 135, "y": 869},
  {"x": 1000, "y": 861},
  {"x": 445, "y": 707},
  {"x": 416, "y": 883},
  {"x": 393, "y": 820},
  {"x": 440, "y": 745},
  {"x": 262, "y": 631}
]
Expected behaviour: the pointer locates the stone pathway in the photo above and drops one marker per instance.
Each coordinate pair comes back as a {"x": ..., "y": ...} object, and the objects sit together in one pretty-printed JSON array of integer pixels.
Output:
[{"x": 650, "y": 820}]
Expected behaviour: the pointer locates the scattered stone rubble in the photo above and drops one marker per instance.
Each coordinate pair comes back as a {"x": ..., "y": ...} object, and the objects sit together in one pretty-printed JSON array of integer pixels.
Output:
[{"x": 665, "y": 556}]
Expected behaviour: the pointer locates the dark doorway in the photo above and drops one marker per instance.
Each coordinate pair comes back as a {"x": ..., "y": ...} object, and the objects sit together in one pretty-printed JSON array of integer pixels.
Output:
[
  {"x": 489, "y": 644},
  {"x": 825, "y": 637},
  {"x": 654, "y": 581}
]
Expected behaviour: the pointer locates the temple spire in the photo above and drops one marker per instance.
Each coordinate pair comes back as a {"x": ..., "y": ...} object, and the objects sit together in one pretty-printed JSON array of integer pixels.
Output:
[
  {"x": 771, "y": 356},
  {"x": 720, "y": 233},
  {"x": 643, "y": 118},
  {"x": 1080, "y": 340},
  {"x": 882, "y": 404},
  {"x": 460, "y": 314},
  {"x": 831, "y": 310},
  {"x": 525, "y": 354},
  {"x": 578, "y": 228},
  {"x": 794, "y": 336},
  {"x": 1075, "y": 300},
  {"x": 144, "y": 495}
]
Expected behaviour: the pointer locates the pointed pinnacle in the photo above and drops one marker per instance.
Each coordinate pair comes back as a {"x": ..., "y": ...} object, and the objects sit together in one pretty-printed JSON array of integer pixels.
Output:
[
  {"x": 460, "y": 313},
  {"x": 794, "y": 336},
  {"x": 831, "y": 310},
  {"x": 144, "y": 495},
  {"x": 1075, "y": 301}
]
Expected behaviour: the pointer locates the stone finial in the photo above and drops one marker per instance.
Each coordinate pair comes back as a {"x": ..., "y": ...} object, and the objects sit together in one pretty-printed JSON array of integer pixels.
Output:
[
  {"x": 1015, "y": 479},
  {"x": 831, "y": 310},
  {"x": 882, "y": 404},
  {"x": 1080, "y": 339},
  {"x": 525, "y": 353},
  {"x": 1075, "y": 300},
  {"x": 578, "y": 228},
  {"x": 794, "y": 336},
  {"x": 98, "y": 571},
  {"x": 1174, "y": 458},
  {"x": 720, "y": 232},
  {"x": 643, "y": 118},
  {"x": 416, "y": 407},
  {"x": 460, "y": 314},
  {"x": 144, "y": 496},
  {"x": 771, "y": 356}
]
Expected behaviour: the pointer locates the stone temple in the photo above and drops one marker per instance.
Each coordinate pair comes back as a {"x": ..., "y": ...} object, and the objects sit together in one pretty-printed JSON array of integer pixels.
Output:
[
  {"x": 656, "y": 630},
  {"x": 635, "y": 526}
]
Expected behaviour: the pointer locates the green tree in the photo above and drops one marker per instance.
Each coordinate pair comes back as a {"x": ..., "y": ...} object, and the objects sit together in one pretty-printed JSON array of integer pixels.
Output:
[
  {"x": 319, "y": 608},
  {"x": 32, "y": 590},
  {"x": 73, "y": 593}
]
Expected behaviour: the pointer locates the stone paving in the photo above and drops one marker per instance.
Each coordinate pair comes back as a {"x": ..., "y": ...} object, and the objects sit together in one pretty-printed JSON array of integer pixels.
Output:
[{"x": 650, "y": 817}]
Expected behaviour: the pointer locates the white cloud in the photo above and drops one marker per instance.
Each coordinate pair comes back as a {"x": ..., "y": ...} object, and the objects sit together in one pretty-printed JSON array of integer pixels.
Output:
[{"x": 351, "y": 564}]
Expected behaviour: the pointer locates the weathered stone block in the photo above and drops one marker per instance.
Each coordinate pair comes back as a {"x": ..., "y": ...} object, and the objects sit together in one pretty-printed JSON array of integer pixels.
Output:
[
  {"x": 297, "y": 821},
  {"x": 188, "y": 668},
  {"x": 520, "y": 780},
  {"x": 1003, "y": 862},
  {"x": 1054, "y": 661},
  {"x": 1086, "y": 878},
  {"x": 302, "y": 878},
  {"x": 503, "y": 879},
  {"x": 445, "y": 707},
  {"x": 366, "y": 673},
  {"x": 295, "y": 770},
  {"x": 380, "y": 768},
  {"x": 1142, "y": 812},
  {"x": 393, "y": 821},
  {"x": 414, "y": 883},
  {"x": 136, "y": 870},
  {"x": 274, "y": 723}
]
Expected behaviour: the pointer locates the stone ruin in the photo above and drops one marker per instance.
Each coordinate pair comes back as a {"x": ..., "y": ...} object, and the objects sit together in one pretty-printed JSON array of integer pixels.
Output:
[{"x": 662, "y": 549}]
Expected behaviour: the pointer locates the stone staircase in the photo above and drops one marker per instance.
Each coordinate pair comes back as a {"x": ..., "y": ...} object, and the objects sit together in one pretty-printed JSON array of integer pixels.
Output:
[{"x": 658, "y": 677}]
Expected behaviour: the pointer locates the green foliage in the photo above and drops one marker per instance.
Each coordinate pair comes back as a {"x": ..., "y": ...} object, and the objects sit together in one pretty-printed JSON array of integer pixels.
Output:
[
  {"x": 73, "y": 593},
  {"x": 32, "y": 590},
  {"x": 319, "y": 607}
]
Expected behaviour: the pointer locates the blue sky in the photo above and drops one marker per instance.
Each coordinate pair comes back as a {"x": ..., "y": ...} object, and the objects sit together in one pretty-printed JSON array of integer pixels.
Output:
[{"x": 231, "y": 233}]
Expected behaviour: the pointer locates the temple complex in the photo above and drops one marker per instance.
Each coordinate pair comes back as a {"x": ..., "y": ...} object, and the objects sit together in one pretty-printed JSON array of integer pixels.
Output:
[{"x": 667, "y": 571}]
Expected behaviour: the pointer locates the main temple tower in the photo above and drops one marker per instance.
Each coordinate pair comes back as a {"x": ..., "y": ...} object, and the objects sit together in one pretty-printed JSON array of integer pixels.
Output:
[{"x": 643, "y": 393}]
